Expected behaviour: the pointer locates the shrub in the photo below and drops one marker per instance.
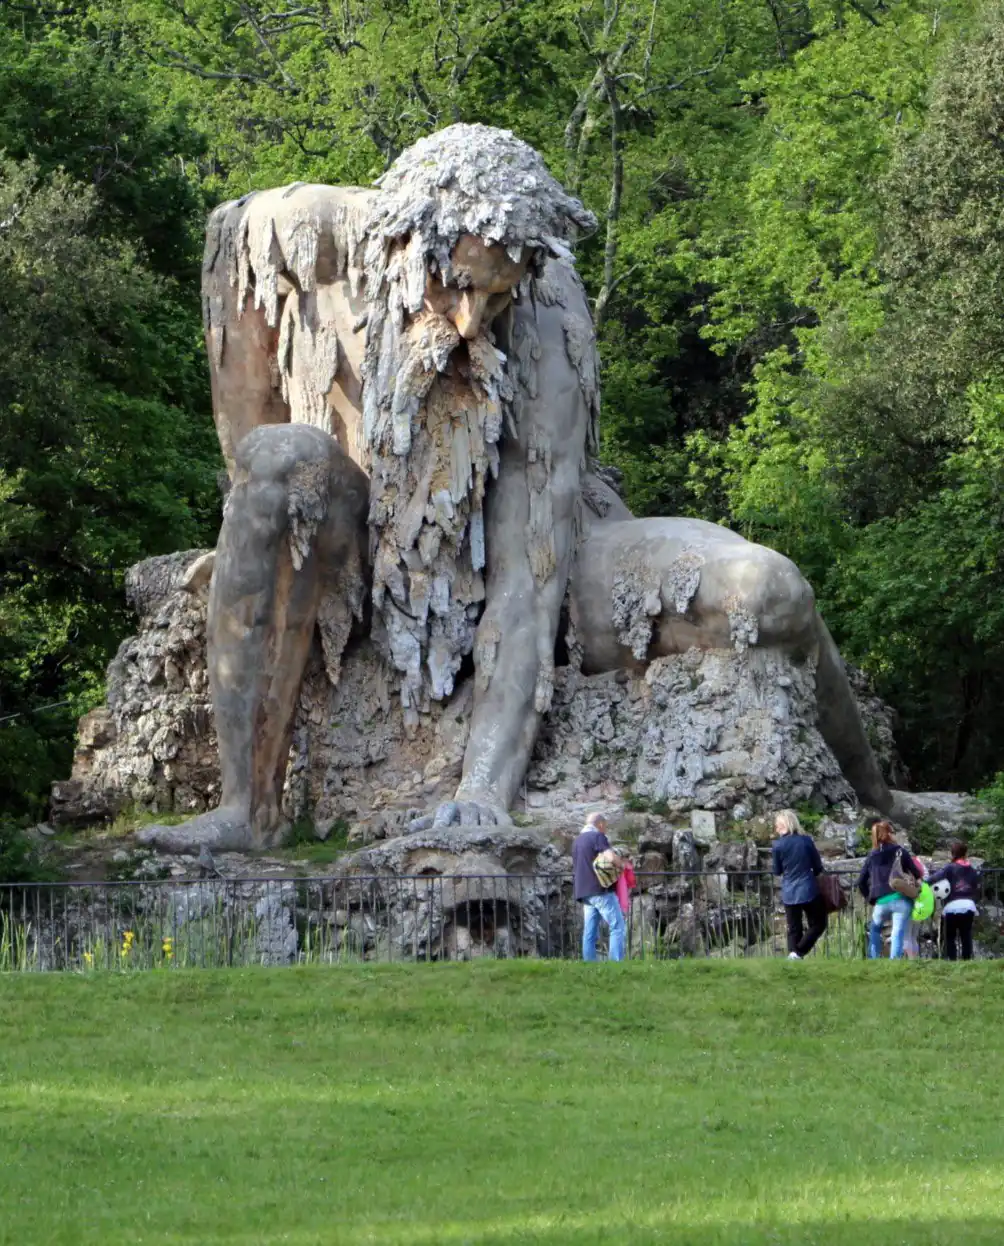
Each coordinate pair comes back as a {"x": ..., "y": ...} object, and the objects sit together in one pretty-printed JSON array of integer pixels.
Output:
[
  {"x": 20, "y": 861},
  {"x": 987, "y": 841},
  {"x": 925, "y": 834}
]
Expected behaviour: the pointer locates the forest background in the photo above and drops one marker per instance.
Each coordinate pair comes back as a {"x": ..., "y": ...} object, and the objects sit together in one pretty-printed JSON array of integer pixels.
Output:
[{"x": 796, "y": 280}]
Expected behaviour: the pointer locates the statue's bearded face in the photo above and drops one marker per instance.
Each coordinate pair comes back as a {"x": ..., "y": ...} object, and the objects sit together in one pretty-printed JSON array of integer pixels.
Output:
[
  {"x": 440, "y": 391},
  {"x": 483, "y": 279}
]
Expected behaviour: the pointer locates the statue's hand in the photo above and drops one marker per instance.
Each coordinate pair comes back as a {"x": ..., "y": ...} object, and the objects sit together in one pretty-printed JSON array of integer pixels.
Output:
[{"x": 467, "y": 809}]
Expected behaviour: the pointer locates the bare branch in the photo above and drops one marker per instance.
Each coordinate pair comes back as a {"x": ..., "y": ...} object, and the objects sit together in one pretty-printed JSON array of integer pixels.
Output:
[
  {"x": 614, "y": 203},
  {"x": 863, "y": 12},
  {"x": 177, "y": 61},
  {"x": 574, "y": 129},
  {"x": 663, "y": 88},
  {"x": 267, "y": 48},
  {"x": 649, "y": 43}
]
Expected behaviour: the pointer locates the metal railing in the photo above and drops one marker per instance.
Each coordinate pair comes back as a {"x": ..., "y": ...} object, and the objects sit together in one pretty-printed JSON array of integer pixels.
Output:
[{"x": 349, "y": 919}]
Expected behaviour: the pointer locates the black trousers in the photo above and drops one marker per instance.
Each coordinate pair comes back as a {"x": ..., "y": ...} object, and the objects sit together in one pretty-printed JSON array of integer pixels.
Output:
[
  {"x": 815, "y": 915},
  {"x": 957, "y": 926}
]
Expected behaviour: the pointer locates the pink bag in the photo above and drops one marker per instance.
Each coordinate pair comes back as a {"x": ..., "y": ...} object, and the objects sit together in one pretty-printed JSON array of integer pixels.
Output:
[{"x": 626, "y": 881}]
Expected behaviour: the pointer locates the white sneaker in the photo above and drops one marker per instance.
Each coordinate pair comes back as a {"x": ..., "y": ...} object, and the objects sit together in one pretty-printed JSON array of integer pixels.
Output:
[{"x": 794, "y": 956}]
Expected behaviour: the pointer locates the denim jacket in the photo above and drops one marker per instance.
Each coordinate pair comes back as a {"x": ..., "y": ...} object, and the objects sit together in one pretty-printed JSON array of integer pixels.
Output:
[{"x": 796, "y": 861}]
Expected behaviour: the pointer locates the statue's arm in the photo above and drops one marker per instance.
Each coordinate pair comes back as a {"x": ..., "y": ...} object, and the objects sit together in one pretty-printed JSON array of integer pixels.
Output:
[{"x": 530, "y": 533}]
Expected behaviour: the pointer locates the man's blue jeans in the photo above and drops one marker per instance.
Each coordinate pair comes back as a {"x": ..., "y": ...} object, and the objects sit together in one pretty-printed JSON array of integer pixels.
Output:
[
  {"x": 608, "y": 908},
  {"x": 900, "y": 911}
]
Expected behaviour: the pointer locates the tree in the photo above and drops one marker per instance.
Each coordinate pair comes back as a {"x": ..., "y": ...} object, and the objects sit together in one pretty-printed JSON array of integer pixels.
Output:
[{"x": 100, "y": 468}]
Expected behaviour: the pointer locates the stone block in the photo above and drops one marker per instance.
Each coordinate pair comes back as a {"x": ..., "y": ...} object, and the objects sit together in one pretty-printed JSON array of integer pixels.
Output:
[
  {"x": 703, "y": 826},
  {"x": 649, "y": 863}
]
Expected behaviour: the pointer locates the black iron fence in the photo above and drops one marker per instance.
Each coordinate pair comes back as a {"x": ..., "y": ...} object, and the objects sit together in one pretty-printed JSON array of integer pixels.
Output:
[{"x": 349, "y": 919}]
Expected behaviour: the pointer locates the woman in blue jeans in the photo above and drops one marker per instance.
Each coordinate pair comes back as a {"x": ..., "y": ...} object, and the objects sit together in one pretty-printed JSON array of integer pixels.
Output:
[{"x": 873, "y": 883}]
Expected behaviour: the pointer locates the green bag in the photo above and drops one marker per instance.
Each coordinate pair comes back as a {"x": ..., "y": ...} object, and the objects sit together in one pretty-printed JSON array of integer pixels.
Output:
[{"x": 923, "y": 906}]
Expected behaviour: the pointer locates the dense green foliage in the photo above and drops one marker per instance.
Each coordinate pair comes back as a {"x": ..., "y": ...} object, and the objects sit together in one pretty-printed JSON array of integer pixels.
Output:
[
  {"x": 796, "y": 279},
  {"x": 504, "y": 1102},
  {"x": 105, "y": 451}
]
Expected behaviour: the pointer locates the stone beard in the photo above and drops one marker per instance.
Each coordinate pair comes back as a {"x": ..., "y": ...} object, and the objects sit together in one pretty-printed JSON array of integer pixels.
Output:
[{"x": 434, "y": 410}]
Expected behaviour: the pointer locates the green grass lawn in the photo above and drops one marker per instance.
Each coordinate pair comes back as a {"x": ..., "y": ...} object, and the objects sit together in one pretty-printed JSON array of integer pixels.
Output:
[{"x": 505, "y": 1102}]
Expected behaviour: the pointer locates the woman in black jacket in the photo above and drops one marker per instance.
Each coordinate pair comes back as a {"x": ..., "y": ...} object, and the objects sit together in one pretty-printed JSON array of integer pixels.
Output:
[
  {"x": 873, "y": 883},
  {"x": 959, "y": 913}
]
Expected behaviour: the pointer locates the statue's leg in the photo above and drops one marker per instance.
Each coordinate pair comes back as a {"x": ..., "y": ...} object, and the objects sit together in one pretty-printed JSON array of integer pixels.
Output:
[
  {"x": 841, "y": 727},
  {"x": 645, "y": 588},
  {"x": 297, "y": 504}
]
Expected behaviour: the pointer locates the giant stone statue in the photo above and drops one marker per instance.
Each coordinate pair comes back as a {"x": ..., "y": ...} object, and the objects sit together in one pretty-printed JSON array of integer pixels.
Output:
[{"x": 405, "y": 388}]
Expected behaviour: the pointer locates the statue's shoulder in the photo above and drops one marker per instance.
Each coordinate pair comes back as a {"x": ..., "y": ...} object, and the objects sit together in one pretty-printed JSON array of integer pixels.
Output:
[
  {"x": 313, "y": 231},
  {"x": 300, "y": 198},
  {"x": 557, "y": 284}
]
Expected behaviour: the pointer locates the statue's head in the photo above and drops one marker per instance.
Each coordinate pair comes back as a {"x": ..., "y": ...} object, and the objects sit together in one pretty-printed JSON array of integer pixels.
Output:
[
  {"x": 483, "y": 278},
  {"x": 465, "y": 214}
]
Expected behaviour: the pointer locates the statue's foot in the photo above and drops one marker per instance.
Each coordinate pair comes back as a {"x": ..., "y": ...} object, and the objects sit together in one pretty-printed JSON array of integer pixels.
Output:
[
  {"x": 220, "y": 830},
  {"x": 464, "y": 811}
]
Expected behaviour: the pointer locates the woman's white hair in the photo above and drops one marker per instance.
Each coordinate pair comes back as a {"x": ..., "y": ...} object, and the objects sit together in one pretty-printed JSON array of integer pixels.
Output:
[{"x": 786, "y": 823}]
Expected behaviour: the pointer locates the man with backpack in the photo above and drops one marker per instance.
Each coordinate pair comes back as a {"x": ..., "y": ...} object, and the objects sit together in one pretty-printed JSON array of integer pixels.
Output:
[
  {"x": 890, "y": 880},
  {"x": 596, "y": 870}
]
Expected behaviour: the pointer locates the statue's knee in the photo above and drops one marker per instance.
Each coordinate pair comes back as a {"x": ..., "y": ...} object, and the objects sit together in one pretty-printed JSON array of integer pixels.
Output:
[
  {"x": 274, "y": 452},
  {"x": 788, "y": 598}
]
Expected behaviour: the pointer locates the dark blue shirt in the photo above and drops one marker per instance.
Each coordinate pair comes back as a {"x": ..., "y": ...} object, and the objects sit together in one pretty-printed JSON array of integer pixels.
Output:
[
  {"x": 796, "y": 860},
  {"x": 963, "y": 879},
  {"x": 585, "y": 850},
  {"x": 873, "y": 881}
]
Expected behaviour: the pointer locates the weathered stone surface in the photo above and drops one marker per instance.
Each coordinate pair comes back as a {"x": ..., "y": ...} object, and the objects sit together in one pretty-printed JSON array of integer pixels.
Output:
[
  {"x": 153, "y": 745},
  {"x": 954, "y": 812},
  {"x": 650, "y": 863},
  {"x": 704, "y": 826},
  {"x": 838, "y": 834},
  {"x": 733, "y": 857},
  {"x": 455, "y": 850},
  {"x": 685, "y": 855},
  {"x": 82, "y": 800},
  {"x": 703, "y": 731},
  {"x": 880, "y": 721}
]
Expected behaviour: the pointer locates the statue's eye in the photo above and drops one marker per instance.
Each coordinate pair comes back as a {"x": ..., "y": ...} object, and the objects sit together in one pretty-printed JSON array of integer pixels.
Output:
[{"x": 497, "y": 304}]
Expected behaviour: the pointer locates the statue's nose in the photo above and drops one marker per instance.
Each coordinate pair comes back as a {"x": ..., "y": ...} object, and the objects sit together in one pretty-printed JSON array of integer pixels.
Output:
[{"x": 469, "y": 312}]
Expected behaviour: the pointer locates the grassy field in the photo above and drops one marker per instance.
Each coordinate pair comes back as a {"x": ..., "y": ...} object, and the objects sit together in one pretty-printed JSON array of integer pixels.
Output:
[{"x": 505, "y": 1102}]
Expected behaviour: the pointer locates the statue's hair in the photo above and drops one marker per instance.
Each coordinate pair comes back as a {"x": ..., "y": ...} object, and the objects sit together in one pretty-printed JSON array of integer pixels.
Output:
[{"x": 473, "y": 179}]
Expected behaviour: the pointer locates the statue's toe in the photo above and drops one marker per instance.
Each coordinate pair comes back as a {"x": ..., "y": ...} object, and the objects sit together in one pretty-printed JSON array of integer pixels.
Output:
[{"x": 466, "y": 813}]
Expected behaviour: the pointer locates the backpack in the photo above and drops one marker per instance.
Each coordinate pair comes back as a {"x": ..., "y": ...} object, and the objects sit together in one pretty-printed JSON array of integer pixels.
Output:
[
  {"x": 901, "y": 882},
  {"x": 606, "y": 868}
]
